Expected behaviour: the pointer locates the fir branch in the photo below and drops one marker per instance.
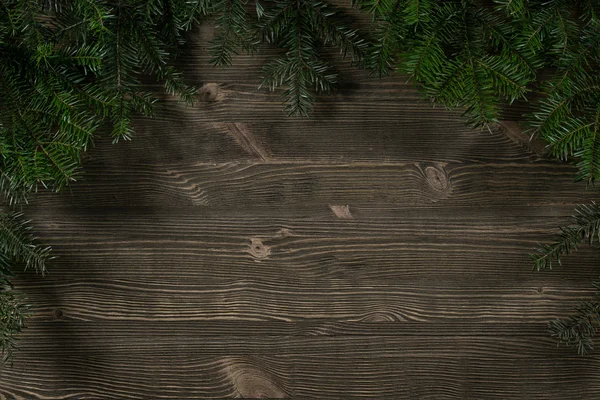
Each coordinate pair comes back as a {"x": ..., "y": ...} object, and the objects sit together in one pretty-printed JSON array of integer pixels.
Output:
[
  {"x": 579, "y": 329},
  {"x": 18, "y": 243},
  {"x": 88, "y": 56},
  {"x": 389, "y": 34},
  {"x": 462, "y": 54},
  {"x": 233, "y": 32},
  {"x": 5, "y": 272},
  {"x": 468, "y": 55},
  {"x": 191, "y": 11},
  {"x": 504, "y": 77},
  {"x": 559, "y": 105},
  {"x": 426, "y": 59},
  {"x": 591, "y": 10},
  {"x": 378, "y": 8},
  {"x": 154, "y": 57},
  {"x": 418, "y": 11},
  {"x": 514, "y": 8},
  {"x": 299, "y": 26},
  {"x": 566, "y": 116},
  {"x": 481, "y": 110},
  {"x": 585, "y": 227},
  {"x": 125, "y": 67},
  {"x": 503, "y": 38},
  {"x": 537, "y": 29},
  {"x": 485, "y": 76},
  {"x": 300, "y": 77},
  {"x": 569, "y": 136},
  {"x": 13, "y": 312},
  {"x": 325, "y": 19},
  {"x": 589, "y": 153}
]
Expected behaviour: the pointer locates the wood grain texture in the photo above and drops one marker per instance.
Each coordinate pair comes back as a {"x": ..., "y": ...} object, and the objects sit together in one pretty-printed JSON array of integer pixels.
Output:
[
  {"x": 242, "y": 364},
  {"x": 268, "y": 185},
  {"x": 378, "y": 250}
]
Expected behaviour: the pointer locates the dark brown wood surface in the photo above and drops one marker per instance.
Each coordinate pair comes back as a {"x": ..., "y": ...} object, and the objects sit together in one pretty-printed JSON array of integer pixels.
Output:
[{"x": 376, "y": 250}]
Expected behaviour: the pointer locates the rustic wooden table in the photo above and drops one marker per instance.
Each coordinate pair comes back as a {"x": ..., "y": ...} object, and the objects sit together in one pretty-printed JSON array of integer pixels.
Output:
[{"x": 376, "y": 250}]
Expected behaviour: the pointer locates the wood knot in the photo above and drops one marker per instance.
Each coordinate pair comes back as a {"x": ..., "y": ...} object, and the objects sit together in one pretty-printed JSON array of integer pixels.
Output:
[
  {"x": 250, "y": 382},
  {"x": 342, "y": 212},
  {"x": 283, "y": 233},
  {"x": 210, "y": 92},
  {"x": 258, "y": 250},
  {"x": 58, "y": 314},
  {"x": 437, "y": 178},
  {"x": 379, "y": 317}
]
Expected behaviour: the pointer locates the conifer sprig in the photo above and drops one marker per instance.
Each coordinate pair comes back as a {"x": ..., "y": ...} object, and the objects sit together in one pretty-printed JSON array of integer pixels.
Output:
[
  {"x": 568, "y": 117},
  {"x": 234, "y": 31},
  {"x": 18, "y": 243},
  {"x": 300, "y": 27},
  {"x": 13, "y": 313},
  {"x": 461, "y": 53},
  {"x": 584, "y": 228},
  {"x": 17, "y": 247},
  {"x": 579, "y": 329}
]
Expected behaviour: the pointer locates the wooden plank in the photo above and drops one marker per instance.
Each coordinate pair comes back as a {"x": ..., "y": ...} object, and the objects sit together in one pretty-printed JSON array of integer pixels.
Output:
[
  {"x": 306, "y": 241},
  {"x": 93, "y": 299},
  {"x": 304, "y": 327},
  {"x": 63, "y": 360},
  {"x": 430, "y": 267},
  {"x": 270, "y": 184},
  {"x": 180, "y": 135},
  {"x": 152, "y": 336},
  {"x": 557, "y": 213}
]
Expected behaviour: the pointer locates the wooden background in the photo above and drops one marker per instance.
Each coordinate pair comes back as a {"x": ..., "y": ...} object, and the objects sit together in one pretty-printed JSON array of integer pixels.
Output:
[{"x": 377, "y": 250}]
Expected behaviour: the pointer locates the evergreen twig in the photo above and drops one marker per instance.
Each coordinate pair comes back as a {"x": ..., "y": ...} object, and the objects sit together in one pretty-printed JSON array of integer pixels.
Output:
[
  {"x": 17, "y": 246},
  {"x": 300, "y": 26},
  {"x": 579, "y": 329}
]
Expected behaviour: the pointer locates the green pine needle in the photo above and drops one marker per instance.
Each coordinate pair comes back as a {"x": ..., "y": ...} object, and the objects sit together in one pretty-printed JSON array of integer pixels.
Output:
[
  {"x": 578, "y": 330},
  {"x": 234, "y": 32},
  {"x": 13, "y": 313},
  {"x": 300, "y": 26},
  {"x": 584, "y": 227},
  {"x": 17, "y": 246}
]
